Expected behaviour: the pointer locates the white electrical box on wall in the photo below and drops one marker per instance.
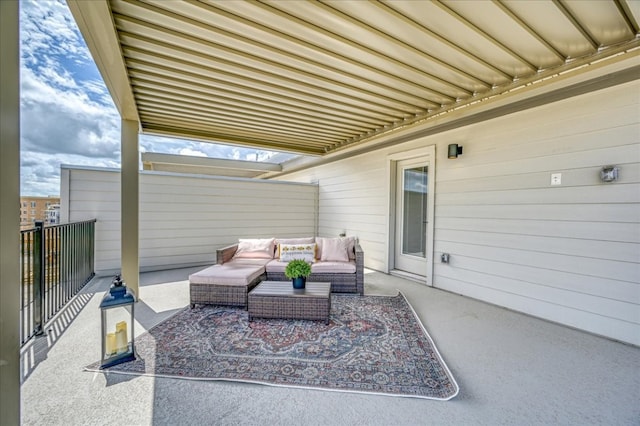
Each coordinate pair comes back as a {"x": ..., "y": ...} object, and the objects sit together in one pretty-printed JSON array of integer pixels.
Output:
[{"x": 556, "y": 178}]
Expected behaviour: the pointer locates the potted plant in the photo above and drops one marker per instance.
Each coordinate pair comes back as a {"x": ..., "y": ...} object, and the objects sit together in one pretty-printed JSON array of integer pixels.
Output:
[{"x": 298, "y": 270}]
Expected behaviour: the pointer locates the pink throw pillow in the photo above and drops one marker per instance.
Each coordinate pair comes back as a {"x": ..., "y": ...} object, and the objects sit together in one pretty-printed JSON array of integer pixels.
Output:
[{"x": 334, "y": 250}]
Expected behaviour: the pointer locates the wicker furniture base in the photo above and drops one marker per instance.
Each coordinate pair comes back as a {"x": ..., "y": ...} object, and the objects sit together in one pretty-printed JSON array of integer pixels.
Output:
[
  {"x": 217, "y": 294},
  {"x": 278, "y": 299},
  {"x": 340, "y": 282}
]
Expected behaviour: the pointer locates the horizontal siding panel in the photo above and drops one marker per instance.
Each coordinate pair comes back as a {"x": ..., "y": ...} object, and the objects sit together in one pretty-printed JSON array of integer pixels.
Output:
[
  {"x": 623, "y": 291},
  {"x": 604, "y": 231},
  {"x": 228, "y": 203},
  {"x": 358, "y": 181},
  {"x": 367, "y": 185},
  {"x": 611, "y": 308},
  {"x": 352, "y": 220},
  {"x": 566, "y": 253},
  {"x": 271, "y": 210},
  {"x": 87, "y": 187},
  {"x": 626, "y": 154},
  {"x": 183, "y": 219},
  {"x": 101, "y": 216},
  {"x": 346, "y": 206},
  {"x": 609, "y": 269},
  {"x": 160, "y": 248},
  {"x": 153, "y": 179},
  {"x": 562, "y": 121},
  {"x": 231, "y": 216},
  {"x": 362, "y": 195},
  {"x": 175, "y": 261},
  {"x": 621, "y": 213},
  {"x": 199, "y": 196},
  {"x": 620, "y": 193},
  {"x": 526, "y": 145},
  {"x": 90, "y": 204},
  {"x": 87, "y": 175},
  {"x": 624, "y": 252},
  {"x": 630, "y": 173},
  {"x": 225, "y": 235}
]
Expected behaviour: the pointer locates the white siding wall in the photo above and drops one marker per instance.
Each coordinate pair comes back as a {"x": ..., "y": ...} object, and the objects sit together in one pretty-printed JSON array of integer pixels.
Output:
[
  {"x": 567, "y": 253},
  {"x": 183, "y": 219}
]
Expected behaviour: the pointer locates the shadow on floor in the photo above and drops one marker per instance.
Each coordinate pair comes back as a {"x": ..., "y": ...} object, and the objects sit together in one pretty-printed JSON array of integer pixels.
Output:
[{"x": 35, "y": 351}]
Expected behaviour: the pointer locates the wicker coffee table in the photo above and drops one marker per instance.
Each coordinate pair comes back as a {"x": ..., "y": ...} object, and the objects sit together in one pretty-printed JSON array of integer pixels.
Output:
[{"x": 278, "y": 299}]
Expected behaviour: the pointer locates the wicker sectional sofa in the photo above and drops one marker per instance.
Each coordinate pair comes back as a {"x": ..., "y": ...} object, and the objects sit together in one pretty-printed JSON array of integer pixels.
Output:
[{"x": 230, "y": 280}]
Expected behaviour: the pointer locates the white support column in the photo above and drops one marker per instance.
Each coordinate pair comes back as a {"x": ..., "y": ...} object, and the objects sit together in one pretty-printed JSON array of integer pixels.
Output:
[
  {"x": 9, "y": 214},
  {"x": 129, "y": 205}
]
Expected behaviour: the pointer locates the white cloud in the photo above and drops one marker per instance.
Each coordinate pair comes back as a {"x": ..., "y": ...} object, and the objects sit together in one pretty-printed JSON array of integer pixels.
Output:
[
  {"x": 192, "y": 152},
  {"x": 67, "y": 114}
]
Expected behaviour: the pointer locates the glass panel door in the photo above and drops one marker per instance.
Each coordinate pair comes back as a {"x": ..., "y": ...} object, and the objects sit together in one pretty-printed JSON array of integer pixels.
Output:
[
  {"x": 411, "y": 227},
  {"x": 414, "y": 220}
]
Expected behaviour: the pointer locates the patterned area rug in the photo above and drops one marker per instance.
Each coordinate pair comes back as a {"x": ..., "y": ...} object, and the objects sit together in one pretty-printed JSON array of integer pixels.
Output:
[{"x": 373, "y": 344}]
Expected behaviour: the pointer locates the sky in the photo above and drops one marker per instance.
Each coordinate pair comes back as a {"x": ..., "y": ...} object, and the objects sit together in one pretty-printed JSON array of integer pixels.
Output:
[{"x": 67, "y": 115}]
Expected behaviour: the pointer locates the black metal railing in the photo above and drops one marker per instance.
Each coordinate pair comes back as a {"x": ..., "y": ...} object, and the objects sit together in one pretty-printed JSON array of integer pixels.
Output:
[{"x": 56, "y": 262}]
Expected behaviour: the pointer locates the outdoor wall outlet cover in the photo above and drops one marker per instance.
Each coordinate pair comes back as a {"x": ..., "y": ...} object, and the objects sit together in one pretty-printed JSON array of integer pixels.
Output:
[
  {"x": 444, "y": 258},
  {"x": 556, "y": 178}
]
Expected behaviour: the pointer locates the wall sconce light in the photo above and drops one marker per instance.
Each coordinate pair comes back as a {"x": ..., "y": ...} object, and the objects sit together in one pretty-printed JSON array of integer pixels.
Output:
[
  {"x": 455, "y": 150},
  {"x": 609, "y": 174}
]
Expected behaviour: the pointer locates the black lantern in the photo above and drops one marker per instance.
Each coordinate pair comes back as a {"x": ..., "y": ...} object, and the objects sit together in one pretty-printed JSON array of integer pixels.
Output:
[{"x": 117, "y": 325}]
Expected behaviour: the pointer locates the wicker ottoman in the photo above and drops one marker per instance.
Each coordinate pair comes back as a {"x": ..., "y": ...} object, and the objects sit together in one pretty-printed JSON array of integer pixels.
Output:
[
  {"x": 278, "y": 299},
  {"x": 226, "y": 284}
]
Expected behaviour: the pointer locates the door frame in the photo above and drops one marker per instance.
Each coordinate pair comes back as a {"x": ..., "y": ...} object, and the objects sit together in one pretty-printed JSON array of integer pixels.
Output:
[{"x": 428, "y": 154}]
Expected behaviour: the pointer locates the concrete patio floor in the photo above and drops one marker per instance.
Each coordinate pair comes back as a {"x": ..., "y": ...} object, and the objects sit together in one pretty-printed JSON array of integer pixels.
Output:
[{"x": 511, "y": 369}]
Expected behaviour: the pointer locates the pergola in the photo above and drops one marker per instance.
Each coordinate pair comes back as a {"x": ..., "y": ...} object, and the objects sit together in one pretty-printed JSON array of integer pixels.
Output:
[
  {"x": 315, "y": 77},
  {"x": 321, "y": 78}
]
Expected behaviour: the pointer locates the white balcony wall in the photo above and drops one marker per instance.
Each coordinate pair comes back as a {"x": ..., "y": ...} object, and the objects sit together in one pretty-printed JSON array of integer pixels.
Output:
[
  {"x": 568, "y": 253},
  {"x": 184, "y": 218}
]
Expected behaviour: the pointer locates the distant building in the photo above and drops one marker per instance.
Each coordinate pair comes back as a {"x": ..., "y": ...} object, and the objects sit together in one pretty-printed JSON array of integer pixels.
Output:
[
  {"x": 52, "y": 215},
  {"x": 35, "y": 208}
]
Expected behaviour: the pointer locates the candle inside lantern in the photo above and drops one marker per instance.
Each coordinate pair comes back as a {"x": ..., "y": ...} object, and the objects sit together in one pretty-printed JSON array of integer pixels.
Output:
[
  {"x": 121, "y": 337},
  {"x": 111, "y": 344}
]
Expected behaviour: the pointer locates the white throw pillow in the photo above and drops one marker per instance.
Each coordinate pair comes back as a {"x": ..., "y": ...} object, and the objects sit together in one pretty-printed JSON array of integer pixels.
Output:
[
  {"x": 255, "y": 248},
  {"x": 305, "y": 240},
  {"x": 290, "y": 252}
]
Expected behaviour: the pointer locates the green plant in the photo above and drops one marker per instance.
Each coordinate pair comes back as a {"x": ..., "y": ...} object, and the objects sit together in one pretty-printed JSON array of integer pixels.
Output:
[{"x": 297, "y": 268}]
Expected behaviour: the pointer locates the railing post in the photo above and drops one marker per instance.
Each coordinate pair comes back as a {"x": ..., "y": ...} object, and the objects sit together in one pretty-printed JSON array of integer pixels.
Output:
[{"x": 38, "y": 277}]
